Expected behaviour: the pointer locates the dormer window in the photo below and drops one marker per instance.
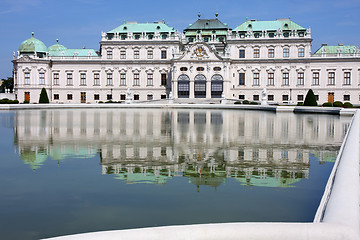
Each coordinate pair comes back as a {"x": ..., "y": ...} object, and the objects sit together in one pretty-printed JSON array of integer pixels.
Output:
[
  {"x": 125, "y": 28},
  {"x": 137, "y": 36},
  {"x": 163, "y": 36},
  {"x": 150, "y": 36},
  {"x": 257, "y": 35},
  {"x": 286, "y": 25},
  {"x": 249, "y": 26},
  {"x": 123, "y": 37},
  {"x": 158, "y": 27},
  {"x": 271, "y": 35},
  {"x": 286, "y": 34},
  {"x": 213, "y": 31}
]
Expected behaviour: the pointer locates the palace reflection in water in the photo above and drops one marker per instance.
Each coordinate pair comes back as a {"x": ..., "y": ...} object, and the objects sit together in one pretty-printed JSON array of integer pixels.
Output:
[{"x": 206, "y": 146}]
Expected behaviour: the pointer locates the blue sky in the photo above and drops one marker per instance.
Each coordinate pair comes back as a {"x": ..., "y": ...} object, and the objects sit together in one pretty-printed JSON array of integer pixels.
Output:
[{"x": 78, "y": 23}]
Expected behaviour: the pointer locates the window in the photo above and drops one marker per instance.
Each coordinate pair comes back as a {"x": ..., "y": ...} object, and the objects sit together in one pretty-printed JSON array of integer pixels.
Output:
[
  {"x": 109, "y": 54},
  {"x": 286, "y": 52},
  {"x": 136, "y": 97},
  {"x": 256, "y": 53},
  {"x": 136, "y": 79},
  {"x": 216, "y": 69},
  {"x": 316, "y": 76},
  {"x": 136, "y": 54},
  {"x": 285, "y": 79},
  {"x": 27, "y": 78},
  {"x": 96, "y": 79},
  {"x": 163, "y": 96},
  {"x": 109, "y": 97},
  {"x": 56, "y": 97},
  {"x": 301, "y": 52},
  {"x": 270, "y": 79},
  {"x": 109, "y": 79},
  {"x": 200, "y": 69},
  {"x": 149, "y": 97},
  {"x": 241, "y": 97},
  {"x": 163, "y": 79},
  {"x": 317, "y": 97},
  {"x": 270, "y": 97},
  {"x": 123, "y": 54},
  {"x": 242, "y": 79},
  {"x": 331, "y": 78},
  {"x": 42, "y": 78},
  {"x": 300, "y": 78},
  {"x": 256, "y": 79},
  {"x": 83, "y": 79},
  {"x": 271, "y": 53},
  {"x": 69, "y": 97},
  {"x": 300, "y": 97},
  {"x": 285, "y": 97},
  {"x": 56, "y": 78},
  {"x": 149, "y": 79},
  {"x": 256, "y": 97},
  {"x": 347, "y": 76},
  {"x": 183, "y": 69},
  {"x": 96, "y": 97},
  {"x": 122, "y": 79},
  {"x": 122, "y": 97},
  {"x": 346, "y": 97},
  {"x": 150, "y": 54},
  {"x": 69, "y": 77},
  {"x": 242, "y": 53},
  {"x": 163, "y": 54}
]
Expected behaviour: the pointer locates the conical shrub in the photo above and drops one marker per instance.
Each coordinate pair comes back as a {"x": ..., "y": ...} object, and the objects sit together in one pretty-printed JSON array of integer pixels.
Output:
[
  {"x": 310, "y": 99},
  {"x": 43, "y": 96}
]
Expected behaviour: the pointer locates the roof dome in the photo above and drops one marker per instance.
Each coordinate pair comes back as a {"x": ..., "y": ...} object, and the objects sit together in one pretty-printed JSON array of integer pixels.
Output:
[
  {"x": 57, "y": 47},
  {"x": 32, "y": 45}
]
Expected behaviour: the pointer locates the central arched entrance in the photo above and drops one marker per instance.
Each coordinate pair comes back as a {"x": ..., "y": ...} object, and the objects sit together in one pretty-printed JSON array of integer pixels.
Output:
[
  {"x": 200, "y": 86},
  {"x": 216, "y": 86},
  {"x": 183, "y": 86}
]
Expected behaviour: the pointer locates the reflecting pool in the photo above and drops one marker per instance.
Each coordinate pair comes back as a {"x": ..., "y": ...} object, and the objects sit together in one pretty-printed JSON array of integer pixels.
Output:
[{"x": 74, "y": 171}]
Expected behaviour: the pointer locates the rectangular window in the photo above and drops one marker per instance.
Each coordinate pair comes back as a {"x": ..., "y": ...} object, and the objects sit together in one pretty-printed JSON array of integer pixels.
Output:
[
  {"x": 136, "y": 79},
  {"x": 163, "y": 96},
  {"x": 83, "y": 79},
  {"x": 285, "y": 79},
  {"x": 96, "y": 79},
  {"x": 150, "y": 79},
  {"x": 136, "y": 97},
  {"x": 241, "y": 97},
  {"x": 123, "y": 54},
  {"x": 270, "y": 79},
  {"x": 256, "y": 53},
  {"x": 242, "y": 53},
  {"x": 56, "y": 78},
  {"x": 163, "y": 79},
  {"x": 256, "y": 79},
  {"x": 331, "y": 78},
  {"x": 242, "y": 79},
  {"x": 316, "y": 76},
  {"x": 300, "y": 97},
  {"x": 256, "y": 97},
  {"x": 69, "y": 79},
  {"x": 122, "y": 79},
  {"x": 150, "y": 54},
  {"x": 42, "y": 78},
  {"x": 346, "y": 97},
  {"x": 122, "y": 97},
  {"x": 163, "y": 54},
  {"x": 56, "y": 97},
  {"x": 271, "y": 53},
  {"x": 301, "y": 52},
  {"x": 136, "y": 54},
  {"x": 149, "y": 97},
  {"x": 286, "y": 52},
  {"x": 109, "y": 96},
  {"x": 109, "y": 79},
  {"x": 109, "y": 54},
  {"x": 69, "y": 97},
  {"x": 347, "y": 76},
  {"x": 96, "y": 97},
  {"x": 270, "y": 97},
  {"x": 300, "y": 78},
  {"x": 285, "y": 97},
  {"x": 27, "y": 78}
]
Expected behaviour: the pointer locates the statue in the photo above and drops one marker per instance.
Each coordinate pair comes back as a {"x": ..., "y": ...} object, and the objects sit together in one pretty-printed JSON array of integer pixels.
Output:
[
  {"x": 128, "y": 99},
  {"x": 263, "y": 97},
  {"x": 171, "y": 98}
]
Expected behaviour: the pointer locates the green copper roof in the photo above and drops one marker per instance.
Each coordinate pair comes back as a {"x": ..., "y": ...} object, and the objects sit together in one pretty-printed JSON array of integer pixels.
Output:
[
  {"x": 254, "y": 25},
  {"x": 268, "y": 182},
  {"x": 32, "y": 45},
  {"x": 204, "y": 24},
  {"x": 71, "y": 52},
  {"x": 143, "y": 27},
  {"x": 347, "y": 49},
  {"x": 57, "y": 47}
]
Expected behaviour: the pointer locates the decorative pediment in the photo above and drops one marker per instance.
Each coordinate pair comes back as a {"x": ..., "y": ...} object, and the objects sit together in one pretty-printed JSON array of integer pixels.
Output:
[
  {"x": 199, "y": 51},
  {"x": 25, "y": 58}
]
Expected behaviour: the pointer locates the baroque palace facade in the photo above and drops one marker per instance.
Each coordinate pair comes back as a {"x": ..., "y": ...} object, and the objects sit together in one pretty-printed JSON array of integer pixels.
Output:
[{"x": 209, "y": 60}]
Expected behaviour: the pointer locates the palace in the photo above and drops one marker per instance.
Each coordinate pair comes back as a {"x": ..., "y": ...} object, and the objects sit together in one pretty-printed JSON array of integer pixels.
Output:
[{"x": 208, "y": 61}]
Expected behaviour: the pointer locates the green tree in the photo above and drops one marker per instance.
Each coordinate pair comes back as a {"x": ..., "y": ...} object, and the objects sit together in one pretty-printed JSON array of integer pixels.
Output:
[
  {"x": 43, "y": 96},
  {"x": 310, "y": 99},
  {"x": 7, "y": 84}
]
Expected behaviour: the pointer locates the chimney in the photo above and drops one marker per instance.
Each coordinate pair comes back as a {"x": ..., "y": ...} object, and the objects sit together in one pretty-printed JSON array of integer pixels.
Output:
[{"x": 324, "y": 44}]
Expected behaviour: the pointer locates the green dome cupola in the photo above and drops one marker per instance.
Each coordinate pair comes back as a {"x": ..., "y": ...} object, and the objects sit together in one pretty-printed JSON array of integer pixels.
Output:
[
  {"x": 56, "y": 47},
  {"x": 33, "y": 45}
]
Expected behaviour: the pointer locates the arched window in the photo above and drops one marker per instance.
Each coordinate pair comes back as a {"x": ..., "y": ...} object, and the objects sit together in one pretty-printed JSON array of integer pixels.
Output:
[
  {"x": 216, "y": 86},
  {"x": 183, "y": 86},
  {"x": 200, "y": 86}
]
